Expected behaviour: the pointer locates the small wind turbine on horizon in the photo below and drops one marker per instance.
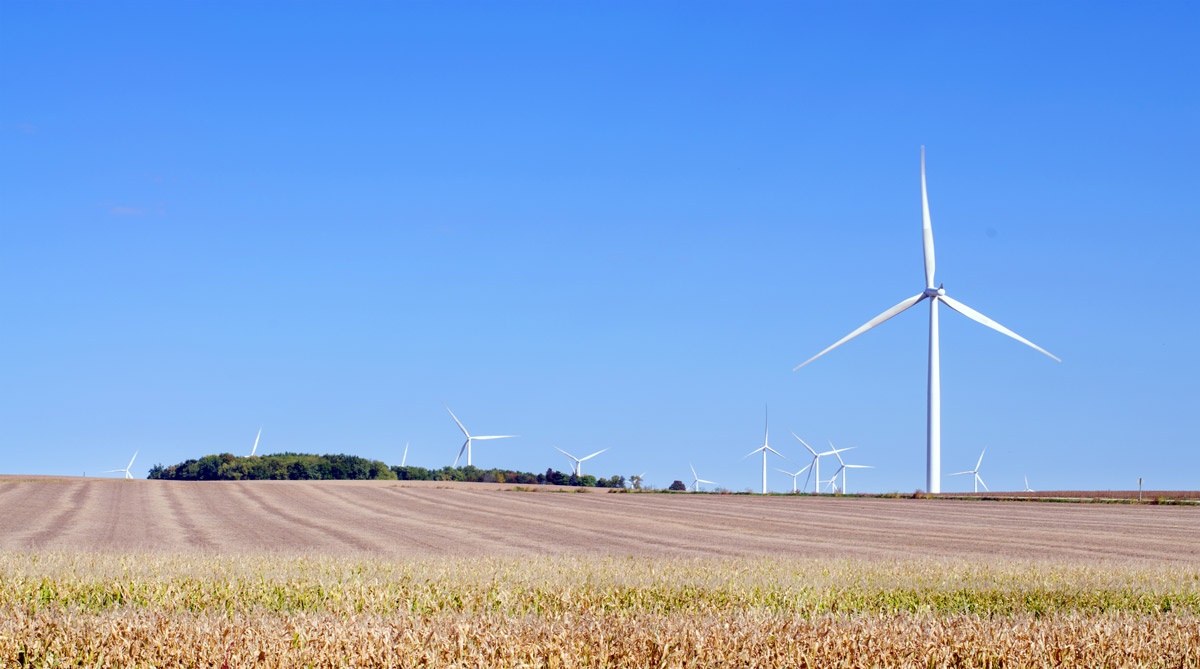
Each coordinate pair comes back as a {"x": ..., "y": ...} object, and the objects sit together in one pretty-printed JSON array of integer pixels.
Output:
[
  {"x": 795, "y": 474},
  {"x": 842, "y": 470},
  {"x": 936, "y": 294},
  {"x": 256, "y": 438},
  {"x": 764, "y": 449},
  {"x": 1027, "y": 488},
  {"x": 577, "y": 466},
  {"x": 816, "y": 461},
  {"x": 126, "y": 470},
  {"x": 975, "y": 473},
  {"x": 696, "y": 480},
  {"x": 466, "y": 447}
]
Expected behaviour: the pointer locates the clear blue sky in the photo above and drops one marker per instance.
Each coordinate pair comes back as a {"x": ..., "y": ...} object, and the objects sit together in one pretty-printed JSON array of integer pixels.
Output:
[{"x": 600, "y": 225}]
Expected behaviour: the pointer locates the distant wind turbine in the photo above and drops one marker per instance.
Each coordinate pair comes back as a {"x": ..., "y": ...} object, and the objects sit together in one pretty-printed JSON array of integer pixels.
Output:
[
  {"x": 696, "y": 480},
  {"x": 764, "y": 449},
  {"x": 466, "y": 447},
  {"x": 1027, "y": 488},
  {"x": 126, "y": 470},
  {"x": 816, "y": 461},
  {"x": 975, "y": 473},
  {"x": 404, "y": 459},
  {"x": 936, "y": 294},
  {"x": 577, "y": 467},
  {"x": 795, "y": 474},
  {"x": 256, "y": 438},
  {"x": 842, "y": 470}
]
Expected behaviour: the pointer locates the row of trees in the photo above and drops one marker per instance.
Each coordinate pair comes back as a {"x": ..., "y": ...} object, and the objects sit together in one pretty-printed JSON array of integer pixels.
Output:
[{"x": 303, "y": 466}]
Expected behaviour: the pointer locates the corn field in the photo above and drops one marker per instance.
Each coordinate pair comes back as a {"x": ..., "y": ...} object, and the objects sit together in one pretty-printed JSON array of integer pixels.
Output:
[{"x": 119, "y": 610}]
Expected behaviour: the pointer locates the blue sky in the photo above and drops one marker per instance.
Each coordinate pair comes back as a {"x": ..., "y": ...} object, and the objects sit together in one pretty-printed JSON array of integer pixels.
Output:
[{"x": 600, "y": 225}]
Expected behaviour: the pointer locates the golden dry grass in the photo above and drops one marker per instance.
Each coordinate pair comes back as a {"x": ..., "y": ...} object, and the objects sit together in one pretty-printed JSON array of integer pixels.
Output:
[{"x": 70, "y": 609}]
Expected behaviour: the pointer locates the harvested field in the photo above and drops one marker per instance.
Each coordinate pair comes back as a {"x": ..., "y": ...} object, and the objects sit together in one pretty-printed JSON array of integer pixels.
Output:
[
  {"x": 403, "y": 520},
  {"x": 111, "y": 573}
]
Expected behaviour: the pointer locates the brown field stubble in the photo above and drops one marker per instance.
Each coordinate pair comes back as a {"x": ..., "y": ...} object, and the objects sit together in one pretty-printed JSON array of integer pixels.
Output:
[{"x": 106, "y": 610}]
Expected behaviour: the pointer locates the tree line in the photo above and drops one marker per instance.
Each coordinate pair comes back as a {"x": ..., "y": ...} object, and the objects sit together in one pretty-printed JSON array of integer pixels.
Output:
[{"x": 304, "y": 466}]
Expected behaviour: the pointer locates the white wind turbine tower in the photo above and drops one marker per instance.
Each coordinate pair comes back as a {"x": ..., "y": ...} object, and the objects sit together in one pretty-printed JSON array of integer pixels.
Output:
[
  {"x": 764, "y": 449},
  {"x": 794, "y": 475},
  {"x": 466, "y": 447},
  {"x": 696, "y": 480},
  {"x": 259, "y": 436},
  {"x": 975, "y": 473},
  {"x": 935, "y": 293},
  {"x": 816, "y": 461},
  {"x": 842, "y": 470},
  {"x": 578, "y": 462},
  {"x": 126, "y": 470}
]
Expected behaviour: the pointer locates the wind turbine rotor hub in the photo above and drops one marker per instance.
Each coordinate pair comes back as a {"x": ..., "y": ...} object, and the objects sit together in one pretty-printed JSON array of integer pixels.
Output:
[{"x": 935, "y": 292}]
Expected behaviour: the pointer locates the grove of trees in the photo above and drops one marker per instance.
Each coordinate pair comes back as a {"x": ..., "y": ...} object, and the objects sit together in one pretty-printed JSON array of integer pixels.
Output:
[{"x": 303, "y": 466}]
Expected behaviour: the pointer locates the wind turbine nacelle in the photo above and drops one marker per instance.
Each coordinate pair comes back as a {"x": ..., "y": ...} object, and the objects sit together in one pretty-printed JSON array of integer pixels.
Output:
[{"x": 935, "y": 292}]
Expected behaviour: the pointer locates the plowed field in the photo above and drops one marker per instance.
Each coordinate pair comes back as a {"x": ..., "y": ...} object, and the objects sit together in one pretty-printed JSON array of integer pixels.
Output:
[{"x": 403, "y": 519}]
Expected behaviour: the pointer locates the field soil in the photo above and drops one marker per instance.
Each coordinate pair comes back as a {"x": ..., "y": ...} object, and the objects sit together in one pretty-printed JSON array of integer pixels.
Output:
[{"x": 399, "y": 519}]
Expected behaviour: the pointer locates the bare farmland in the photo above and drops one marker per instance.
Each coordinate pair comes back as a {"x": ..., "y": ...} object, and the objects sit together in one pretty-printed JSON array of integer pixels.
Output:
[{"x": 400, "y": 520}]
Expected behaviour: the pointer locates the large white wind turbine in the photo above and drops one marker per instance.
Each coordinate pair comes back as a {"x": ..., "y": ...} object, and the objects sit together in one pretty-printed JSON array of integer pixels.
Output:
[
  {"x": 256, "y": 438},
  {"x": 466, "y": 447},
  {"x": 935, "y": 293},
  {"x": 816, "y": 461},
  {"x": 975, "y": 473},
  {"x": 842, "y": 470},
  {"x": 578, "y": 462},
  {"x": 696, "y": 480},
  {"x": 764, "y": 449},
  {"x": 126, "y": 470},
  {"x": 795, "y": 474}
]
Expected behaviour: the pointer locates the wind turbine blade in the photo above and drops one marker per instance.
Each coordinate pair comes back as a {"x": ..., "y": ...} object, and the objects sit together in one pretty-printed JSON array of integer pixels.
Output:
[
  {"x": 497, "y": 436},
  {"x": 694, "y": 474},
  {"x": 926, "y": 228},
  {"x": 837, "y": 453},
  {"x": 980, "y": 479},
  {"x": 961, "y": 473},
  {"x": 838, "y": 450},
  {"x": 461, "y": 451},
  {"x": 456, "y": 420},
  {"x": 707, "y": 481},
  {"x": 859, "y": 466},
  {"x": 560, "y": 451},
  {"x": 112, "y": 471},
  {"x": 977, "y": 464},
  {"x": 131, "y": 461},
  {"x": 984, "y": 320},
  {"x": 789, "y": 473},
  {"x": 810, "y": 448},
  {"x": 256, "y": 438},
  {"x": 868, "y": 325},
  {"x": 593, "y": 454},
  {"x": 809, "y": 478},
  {"x": 404, "y": 460},
  {"x": 777, "y": 453}
]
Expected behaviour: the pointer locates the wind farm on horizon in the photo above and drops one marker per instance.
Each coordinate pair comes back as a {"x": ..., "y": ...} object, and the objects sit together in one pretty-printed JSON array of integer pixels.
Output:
[{"x": 933, "y": 291}]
